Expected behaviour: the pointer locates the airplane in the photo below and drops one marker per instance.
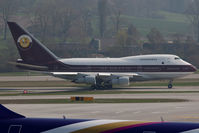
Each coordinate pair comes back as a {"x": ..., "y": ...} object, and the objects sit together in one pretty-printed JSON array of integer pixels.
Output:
[
  {"x": 11, "y": 122},
  {"x": 99, "y": 72}
]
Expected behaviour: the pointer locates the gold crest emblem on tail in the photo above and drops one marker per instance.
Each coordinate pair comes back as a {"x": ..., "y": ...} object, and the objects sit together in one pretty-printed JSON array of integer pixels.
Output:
[{"x": 24, "y": 41}]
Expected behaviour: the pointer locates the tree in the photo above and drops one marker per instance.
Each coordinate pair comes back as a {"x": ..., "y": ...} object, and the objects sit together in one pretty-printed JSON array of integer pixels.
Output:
[
  {"x": 52, "y": 19},
  {"x": 122, "y": 37},
  {"x": 116, "y": 12},
  {"x": 102, "y": 11},
  {"x": 116, "y": 19},
  {"x": 177, "y": 38},
  {"x": 193, "y": 16},
  {"x": 8, "y": 8},
  {"x": 150, "y": 6},
  {"x": 87, "y": 22},
  {"x": 65, "y": 22},
  {"x": 42, "y": 17},
  {"x": 177, "y": 5},
  {"x": 133, "y": 35},
  {"x": 190, "y": 40},
  {"x": 155, "y": 37}
]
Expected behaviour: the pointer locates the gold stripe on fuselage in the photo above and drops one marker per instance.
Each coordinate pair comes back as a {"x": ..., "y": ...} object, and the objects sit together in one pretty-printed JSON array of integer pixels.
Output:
[{"x": 106, "y": 127}]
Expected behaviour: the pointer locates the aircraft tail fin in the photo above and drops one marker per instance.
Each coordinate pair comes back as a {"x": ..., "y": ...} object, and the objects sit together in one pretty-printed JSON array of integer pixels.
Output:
[
  {"x": 30, "y": 49},
  {"x": 8, "y": 114}
]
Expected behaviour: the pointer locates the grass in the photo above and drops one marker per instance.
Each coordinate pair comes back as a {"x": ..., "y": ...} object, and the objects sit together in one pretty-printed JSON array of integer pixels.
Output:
[
  {"x": 174, "y": 17},
  {"x": 170, "y": 24},
  {"x": 39, "y": 84},
  {"x": 90, "y": 92},
  {"x": 68, "y": 101},
  {"x": 197, "y": 72}
]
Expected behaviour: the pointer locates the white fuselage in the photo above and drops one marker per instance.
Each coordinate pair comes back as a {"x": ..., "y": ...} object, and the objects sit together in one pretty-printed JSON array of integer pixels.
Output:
[{"x": 148, "y": 67}]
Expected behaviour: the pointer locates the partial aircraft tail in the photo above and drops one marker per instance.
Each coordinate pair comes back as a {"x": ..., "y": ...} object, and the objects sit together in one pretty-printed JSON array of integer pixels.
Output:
[
  {"x": 30, "y": 49},
  {"x": 8, "y": 114}
]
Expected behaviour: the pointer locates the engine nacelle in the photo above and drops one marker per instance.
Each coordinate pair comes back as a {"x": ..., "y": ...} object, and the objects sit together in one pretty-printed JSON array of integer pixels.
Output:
[
  {"x": 124, "y": 81},
  {"x": 87, "y": 80}
]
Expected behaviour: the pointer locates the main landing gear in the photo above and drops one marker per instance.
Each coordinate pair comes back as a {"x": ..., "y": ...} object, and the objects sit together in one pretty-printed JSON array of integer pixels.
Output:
[
  {"x": 100, "y": 86},
  {"x": 170, "y": 85}
]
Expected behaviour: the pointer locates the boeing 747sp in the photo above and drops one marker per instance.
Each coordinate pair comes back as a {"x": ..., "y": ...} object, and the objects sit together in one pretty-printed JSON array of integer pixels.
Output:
[{"x": 99, "y": 72}]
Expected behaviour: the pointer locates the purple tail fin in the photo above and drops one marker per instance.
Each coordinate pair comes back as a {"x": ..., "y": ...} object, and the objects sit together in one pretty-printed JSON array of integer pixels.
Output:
[{"x": 8, "y": 114}]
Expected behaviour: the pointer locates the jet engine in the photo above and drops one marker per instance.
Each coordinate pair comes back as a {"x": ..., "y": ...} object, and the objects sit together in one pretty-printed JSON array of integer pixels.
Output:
[
  {"x": 86, "y": 79},
  {"x": 121, "y": 81}
]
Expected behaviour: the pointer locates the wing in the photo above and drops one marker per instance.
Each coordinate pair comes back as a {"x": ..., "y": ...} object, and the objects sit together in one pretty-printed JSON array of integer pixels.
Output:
[{"x": 102, "y": 76}]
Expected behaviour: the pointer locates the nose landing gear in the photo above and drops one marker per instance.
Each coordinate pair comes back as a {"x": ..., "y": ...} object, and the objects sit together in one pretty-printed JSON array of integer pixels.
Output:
[{"x": 170, "y": 85}]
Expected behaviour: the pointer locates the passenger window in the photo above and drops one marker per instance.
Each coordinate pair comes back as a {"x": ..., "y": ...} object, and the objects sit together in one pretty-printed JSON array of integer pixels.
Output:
[{"x": 15, "y": 129}]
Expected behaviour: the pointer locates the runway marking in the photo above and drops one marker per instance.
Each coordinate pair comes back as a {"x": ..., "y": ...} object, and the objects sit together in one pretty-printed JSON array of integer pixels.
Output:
[
  {"x": 179, "y": 107},
  {"x": 156, "y": 112},
  {"x": 95, "y": 112},
  {"x": 119, "y": 112},
  {"x": 137, "y": 112}
]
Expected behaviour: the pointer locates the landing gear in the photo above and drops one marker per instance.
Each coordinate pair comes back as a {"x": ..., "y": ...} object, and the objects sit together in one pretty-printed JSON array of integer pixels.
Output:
[
  {"x": 108, "y": 86},
  {"x": 98, "y": 86},
  {"x": 95, "y": 87},
  {"x": 101, "y": 84},
  {"x": 170, "y": 85}
]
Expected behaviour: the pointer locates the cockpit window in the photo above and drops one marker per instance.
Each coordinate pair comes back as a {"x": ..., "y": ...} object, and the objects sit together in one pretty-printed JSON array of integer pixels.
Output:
[{"x": 177, "y": 58}]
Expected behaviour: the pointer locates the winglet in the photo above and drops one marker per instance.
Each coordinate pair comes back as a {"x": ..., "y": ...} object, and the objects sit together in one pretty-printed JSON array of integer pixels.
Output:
[{"x": 8, "y": 114}]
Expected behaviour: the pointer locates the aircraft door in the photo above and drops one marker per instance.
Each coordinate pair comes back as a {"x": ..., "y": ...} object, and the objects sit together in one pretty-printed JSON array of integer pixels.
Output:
[{"x": 14, "y": 129}]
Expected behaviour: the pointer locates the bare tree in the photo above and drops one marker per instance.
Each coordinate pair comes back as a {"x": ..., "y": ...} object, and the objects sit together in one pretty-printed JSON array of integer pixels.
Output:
[
  {"x": 178, "y": 38},
  {"x": 65, "y": 22},
  {"x": 86, "y": 18},
  {"x": 122, "y": 37},
  {"x": 133, "y": 35},
  {"x": 193, "y": 16},
  {"x": 116, "y": 19},
  {"x": 116, "y": 12},
  {"x": 155, "y": 37},
  {"x": 42, "y": 16},
  {"x": 8, "y": 8},
  {"x": 102, "y": 10}
]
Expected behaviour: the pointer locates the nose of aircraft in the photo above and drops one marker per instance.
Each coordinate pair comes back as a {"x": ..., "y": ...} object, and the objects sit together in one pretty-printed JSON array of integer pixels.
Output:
[{"x": 194, "y": 68}]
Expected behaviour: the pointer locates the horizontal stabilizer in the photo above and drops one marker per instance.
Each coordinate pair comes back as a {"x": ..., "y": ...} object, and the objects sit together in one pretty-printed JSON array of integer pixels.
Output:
[
  {"x": 8, "y": 114},
  {"x": 29, "y": 66}
]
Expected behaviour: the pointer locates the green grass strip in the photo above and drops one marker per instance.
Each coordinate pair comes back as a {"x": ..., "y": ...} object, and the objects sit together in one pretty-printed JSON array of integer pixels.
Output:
[
  {"x": 67, "y": 101},
  {"x": 98, "y": 92}
]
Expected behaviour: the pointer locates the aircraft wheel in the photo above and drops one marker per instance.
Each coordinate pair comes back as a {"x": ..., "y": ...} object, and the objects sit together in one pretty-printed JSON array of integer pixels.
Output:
[
  {"x": 109, "y": 86},
  {"x": 95, "y": 87},
  {"x": 170, "y": 86}
]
